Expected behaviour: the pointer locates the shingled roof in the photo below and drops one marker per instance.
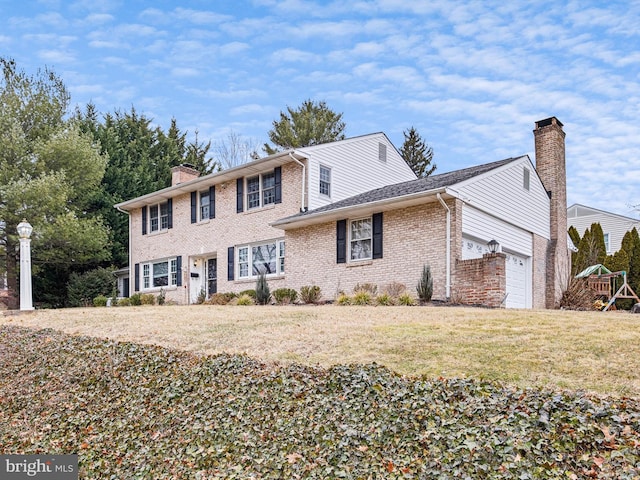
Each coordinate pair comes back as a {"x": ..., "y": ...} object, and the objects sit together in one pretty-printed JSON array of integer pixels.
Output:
[{"x": 433, "y": 182}]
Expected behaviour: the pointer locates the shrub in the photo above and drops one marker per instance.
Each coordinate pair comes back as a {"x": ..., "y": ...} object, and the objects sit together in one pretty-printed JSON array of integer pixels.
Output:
[
  {"x": 395, "y": 289},
  {"x": 370, "y": 288},
  {"x": 343, "y": 299},
  {"x": 124, "y": 302},
  {"x": 578, "y": 296},
  {"x": 361, "y": 297},
  {"x": 114, "y": 301},
  {"x": 135, "y": 299},
  {"x": 425, "y": 285},
  {"x": 310, "y": 294},
  {"x": 147, "y": 299},
  {"x": 251, "y": 293},
  {"x": 262, "y": 290},
  {"x": 221, "y": 298},
  {"x": 100, "y": 301},
  {"x": 245, "y": 300},
  {"x": 285, "y": 296},
  {"x": 162, "y": 296},
  {"x": 202, "y": 296},
  {"x": 83, "y": 288},
  {"x": 385, "y": 299},
  {"x": 406, "y": 300}
]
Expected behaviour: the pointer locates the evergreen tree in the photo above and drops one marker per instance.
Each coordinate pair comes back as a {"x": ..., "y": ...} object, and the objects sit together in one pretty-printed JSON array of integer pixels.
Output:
[
  {"x": 575, "y": 238},
  {"x": 600, "y": 249},
  {"x": 417, "y": 154},
  {"x": 312, "y": 123}
]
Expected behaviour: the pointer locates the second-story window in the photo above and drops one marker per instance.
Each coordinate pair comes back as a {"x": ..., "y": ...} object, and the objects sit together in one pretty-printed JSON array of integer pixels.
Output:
[
  {"x": 159, "y": 217},
  {"x": 204, "y": 205},
  {"x": 325, "y": 180},
  {"x": 261, "y": 190}
]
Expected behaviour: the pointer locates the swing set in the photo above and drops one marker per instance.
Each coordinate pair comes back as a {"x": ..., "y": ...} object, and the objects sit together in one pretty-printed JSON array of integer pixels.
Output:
[{"x": 608, "y": 285}]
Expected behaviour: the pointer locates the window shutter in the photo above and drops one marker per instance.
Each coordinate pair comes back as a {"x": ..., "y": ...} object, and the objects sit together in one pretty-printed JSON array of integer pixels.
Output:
[
  {"x": 230, "y": 265},
  {"x": 377, "y": 235},
  {"x": 179, "y": 271},
  {"x": 194, "y": 207},
  {"x": 136, "y": 269},
  {"x": 170, "y": 213},
  {"x": 277, "y": 174},
  {"x": 212, "y": 201},
  {"x": 341, "y": 241},
  {"x": 239, "y": 195},
  {"x": 144, "y": 220}
]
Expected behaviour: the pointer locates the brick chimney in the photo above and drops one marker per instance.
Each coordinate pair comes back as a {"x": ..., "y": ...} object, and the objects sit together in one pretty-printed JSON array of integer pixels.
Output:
[
  {"x": 183, "y": 173},
  {"x": 550, "y": 164}
]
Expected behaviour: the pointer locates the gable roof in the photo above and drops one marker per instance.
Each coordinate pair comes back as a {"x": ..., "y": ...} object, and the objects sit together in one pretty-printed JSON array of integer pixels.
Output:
[
  {"x": 585, "y": 211},
  {"x": 392, "y": 196}
]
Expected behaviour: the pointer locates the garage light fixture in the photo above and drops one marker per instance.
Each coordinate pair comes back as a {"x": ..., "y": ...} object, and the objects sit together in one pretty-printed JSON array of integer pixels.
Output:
[{"x": 493, "y": 246}]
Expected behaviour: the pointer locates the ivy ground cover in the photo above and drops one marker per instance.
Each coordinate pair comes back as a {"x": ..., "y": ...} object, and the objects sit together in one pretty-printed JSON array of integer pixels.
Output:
[{"x": 138, "y": 411}]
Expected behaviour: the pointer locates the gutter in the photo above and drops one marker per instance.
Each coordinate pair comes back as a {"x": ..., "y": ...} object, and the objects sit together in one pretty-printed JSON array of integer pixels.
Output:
[
  {"x": 448, "y": 247},
  {"x": 303, "y": 208},
  {"x": 129, "y": 252}
]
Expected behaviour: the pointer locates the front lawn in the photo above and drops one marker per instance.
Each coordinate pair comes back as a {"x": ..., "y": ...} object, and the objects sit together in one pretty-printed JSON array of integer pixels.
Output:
[{"x": 135, "y": 411}]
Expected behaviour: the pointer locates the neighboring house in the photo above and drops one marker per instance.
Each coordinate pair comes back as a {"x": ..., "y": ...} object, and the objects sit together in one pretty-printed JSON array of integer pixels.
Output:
[
  {"x": 614, "y": 226},
  {"x": 352, "y": 212}
]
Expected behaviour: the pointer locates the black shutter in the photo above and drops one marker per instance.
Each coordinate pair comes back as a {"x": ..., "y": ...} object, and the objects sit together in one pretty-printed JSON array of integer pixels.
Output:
[
  {"x": 341, "y": 241},
  {"x": 212, "y": 201},
  {"x": 136, "y": 269},
  {"x": 230, "y": 263},
  {"x": 170, "y": 213},
  {"x": 277, "y": 174},
  {"x": 239, "y": 195},
  {"x": 179, "y": 271},
  {"x": 144, "y": 220},
  {"x": 377, "y": 235},
  {"x": 194, "y": 207}
]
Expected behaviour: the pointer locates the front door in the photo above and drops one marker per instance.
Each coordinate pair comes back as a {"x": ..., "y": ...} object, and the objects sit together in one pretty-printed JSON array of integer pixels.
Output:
[{"x": 212, "y": 276}]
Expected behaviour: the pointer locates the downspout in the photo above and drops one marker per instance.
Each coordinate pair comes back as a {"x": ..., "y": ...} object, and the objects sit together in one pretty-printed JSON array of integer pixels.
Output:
[
  {"x": 448, "y": 248},
  {"x": 129, "y": 252},
  {"x": 304, "y": 177}
]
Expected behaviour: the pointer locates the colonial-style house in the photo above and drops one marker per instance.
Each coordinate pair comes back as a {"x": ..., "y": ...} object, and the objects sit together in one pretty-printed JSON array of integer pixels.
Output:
[
  {"x": 614, "y": 226},
  {"x": 350, "y": 212}
]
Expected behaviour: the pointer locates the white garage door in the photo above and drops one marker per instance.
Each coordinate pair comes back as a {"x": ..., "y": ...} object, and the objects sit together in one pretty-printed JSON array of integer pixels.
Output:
[{"x": 516, "y": 270}]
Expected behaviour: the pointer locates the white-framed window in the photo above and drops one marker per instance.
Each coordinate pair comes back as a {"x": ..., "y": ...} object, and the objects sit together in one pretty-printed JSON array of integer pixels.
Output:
[
  {"x": 255, "y": 259},
  {"x": 159, "y": 216},
  {"x": 162, "y": 273},
  {"x": 360, "y": 239},
  {"x": 325, "y": 181},
  {"x": 205, "y": 203},
  {"x": 606, "y": 242},
  {"x": 261, "y": 190}
]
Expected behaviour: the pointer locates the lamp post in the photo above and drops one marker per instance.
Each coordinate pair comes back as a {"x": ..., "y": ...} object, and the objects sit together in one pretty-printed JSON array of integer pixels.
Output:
[{"x": 26, "y": 294}]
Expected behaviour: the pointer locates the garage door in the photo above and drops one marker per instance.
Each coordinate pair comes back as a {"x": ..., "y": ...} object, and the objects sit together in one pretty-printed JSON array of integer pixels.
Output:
[{"x": 516, "y": 270}]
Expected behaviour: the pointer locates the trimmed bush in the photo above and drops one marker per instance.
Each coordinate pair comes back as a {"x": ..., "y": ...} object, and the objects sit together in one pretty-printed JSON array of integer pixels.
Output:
[
  {"x": 135, "y": 299},
  {"x": 262, "y": 290},
  {"x": 251, "y": 293},
  {"x": 361, "y": 297},
  {"x": 406, "y": 300},
  {"x": 395, "y": 289},
  {"x": 384, "y": 299},
  {"x": 162, "y": 296},
  {"x": 148, "y": 299},
  {"x": 285, "y": 296},
  {"x": 310, "y": 294},
  {"x": 370, "y": 288},
  {"x": 425, "y": 285},
  {"x": 100, "y": 301},
  {"x": 343, "y": 299},
  {"x": 124, "y": 302},
  {"x": 221, "y": 298},
  {"x": 245, "y": 300}
]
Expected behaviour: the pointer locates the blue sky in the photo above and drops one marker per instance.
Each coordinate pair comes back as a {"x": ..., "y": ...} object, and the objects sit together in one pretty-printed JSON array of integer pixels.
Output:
[{"x": 472, "y": 76}]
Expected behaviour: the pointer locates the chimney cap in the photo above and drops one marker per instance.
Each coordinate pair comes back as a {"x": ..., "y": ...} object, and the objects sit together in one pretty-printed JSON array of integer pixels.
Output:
[{"x": 548, "y": 121}]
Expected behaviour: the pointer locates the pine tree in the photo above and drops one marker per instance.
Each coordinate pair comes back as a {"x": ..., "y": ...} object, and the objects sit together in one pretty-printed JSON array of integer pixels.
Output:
[
  {"x": 575, "y": 238},
  {"x": 417, "y": 154},
  {"x": 600, "y": 249}
]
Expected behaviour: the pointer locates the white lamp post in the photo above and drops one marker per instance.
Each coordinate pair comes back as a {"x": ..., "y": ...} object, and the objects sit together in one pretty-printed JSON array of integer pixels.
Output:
[{"x": 26, "y": 294}]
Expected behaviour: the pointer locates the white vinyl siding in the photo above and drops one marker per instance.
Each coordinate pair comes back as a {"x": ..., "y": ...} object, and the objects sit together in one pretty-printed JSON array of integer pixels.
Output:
[
  {"x": 501, "y": 194},
  {"x": 478, "y": 224},
  {"x": 581, "y": 218},
  {"x": 355, "y": 168}
]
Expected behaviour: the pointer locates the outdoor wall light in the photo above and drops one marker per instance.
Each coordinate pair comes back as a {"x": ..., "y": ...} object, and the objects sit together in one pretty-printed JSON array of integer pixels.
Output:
[{"x": 493, "y": 246}]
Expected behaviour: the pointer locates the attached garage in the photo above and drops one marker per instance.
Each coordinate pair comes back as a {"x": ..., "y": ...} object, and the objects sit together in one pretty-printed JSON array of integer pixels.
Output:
[{"x": 517, "y": 280}]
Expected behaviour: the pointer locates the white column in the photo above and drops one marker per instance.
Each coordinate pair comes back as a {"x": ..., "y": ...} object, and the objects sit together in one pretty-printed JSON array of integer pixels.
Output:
[{"x": 26, "y": 293}]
